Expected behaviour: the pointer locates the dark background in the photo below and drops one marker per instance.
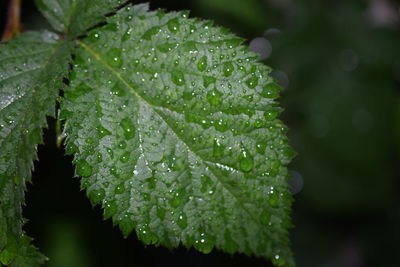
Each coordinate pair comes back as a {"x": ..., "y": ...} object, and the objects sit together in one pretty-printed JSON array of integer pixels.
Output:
[{"x": 339, "y": 62}]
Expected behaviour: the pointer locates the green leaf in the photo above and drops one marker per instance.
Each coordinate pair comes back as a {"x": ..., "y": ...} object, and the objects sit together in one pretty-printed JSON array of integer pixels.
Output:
[
  {"x": 173, "y": 126},
  {"x": 31, "y": 70},
  {"x": 73, "y": 17}
]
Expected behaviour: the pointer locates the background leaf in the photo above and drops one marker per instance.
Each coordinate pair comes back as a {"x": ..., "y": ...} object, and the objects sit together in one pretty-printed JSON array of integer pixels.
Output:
[
  {"x": 31, "y": 70},
  {"x": 174, "y": 130},
  {"x": 73, "y": 17}
]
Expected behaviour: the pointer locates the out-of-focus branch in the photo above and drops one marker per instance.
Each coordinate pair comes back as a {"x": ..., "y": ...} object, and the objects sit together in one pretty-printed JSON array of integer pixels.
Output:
[{"x": 13, "y": 26}]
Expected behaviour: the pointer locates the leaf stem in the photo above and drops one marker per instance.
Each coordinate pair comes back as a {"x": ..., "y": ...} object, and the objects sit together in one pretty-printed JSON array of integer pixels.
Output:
[{"x": 13, "y": 26}]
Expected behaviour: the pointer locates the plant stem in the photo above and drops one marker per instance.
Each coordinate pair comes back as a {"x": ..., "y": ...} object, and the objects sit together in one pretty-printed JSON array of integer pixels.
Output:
[{"x": 13, "y": 26}]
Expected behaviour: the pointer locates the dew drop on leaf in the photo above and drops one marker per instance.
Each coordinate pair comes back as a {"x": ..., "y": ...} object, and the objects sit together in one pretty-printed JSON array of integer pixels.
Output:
[
  {"x": 119, "y": 189},
  {"x": 202, "y": 64},
  {"x": 128, "y": 128},
  {"x": 125, "y": 157},
  {"x": 173, "y": 25},
  {"x": 83, "y": 168},
  {"x": 246, "y": 161},
  {"x": 102, "y": 132},
  {"x": 113, "y": 57},
  {"x": 273, "y": 198},
  {"x": 151, "y": 32},
  {"x": 146, "y": 235},
  {"x": 271, "y": 90},
  {"x": 218, "y": 149},
  {"x": 178, "y": 78},
  {"x": 252, "y": 82},
  {"x": 271, "y": 115},
  {"x": 228, "y": 69},
  {"x": 214, "y": 97},
  {"x": 182, "y": 220},
  {"x": 204, "y": 242},
  {"x": 96, "y": 195}
]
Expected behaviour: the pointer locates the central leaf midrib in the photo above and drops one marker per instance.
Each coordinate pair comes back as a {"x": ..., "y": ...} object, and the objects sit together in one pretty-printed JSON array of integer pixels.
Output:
[{"x": 119, "y": 76}]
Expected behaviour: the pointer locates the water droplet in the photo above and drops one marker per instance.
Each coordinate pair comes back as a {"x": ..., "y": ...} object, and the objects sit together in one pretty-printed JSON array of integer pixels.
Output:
[
  {"x": 99, "y": 158},
  {"x": 214, "y": 97},
  {"x": 221, "y": 125},
  {"x": 204, "y": 243},
  {"x": 128, "y": 128},
  {"x": 127, "y": 35},
  {"x": 125, "y": 157},
  {"x": 218, "y": 149},
  {"x": 207, "y": 80},
  {"x": 228, "y": 69},
  {"x": 202, "y": 64},
  {"x": 252, "y": 82},
  {"x": 271, "y": 90},
  {"x": 117, "y": 90},
  {"x": 96, "y": 195},
  {"x": 173, "y": 25},
  {"x": 182, "y": 221},
  {"x": 246, "y": 162},
  {"x": 278, "y": 260},
  {"x": 260, "y": 147},
  {"x": 110, "y": 208},
  {"x": 83, "y": 168},
  {"x": 178, "y": 78},
  {"x": 166, "y": 48},
  {"x": 177, "y": 198},
  {"x": 151, "y": 32},
  {"x": 122, "y": 144},
  {"x": 119, "y": 189},
  {"x": 146, "y": 235},
  {"x": 271, "y": 114},
  {"x": 113, "y": 57},
  {"x": 273, "y": 198},
  {"x": 258, "y": 123}
]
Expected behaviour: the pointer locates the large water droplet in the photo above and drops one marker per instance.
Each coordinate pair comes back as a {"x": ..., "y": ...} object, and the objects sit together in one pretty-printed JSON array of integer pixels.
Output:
[
  {"x": 218, "y": 149},
  {"x": 113, "y": 57},
  {"x": 151, "y": 32},
  {"x": 125, "y": 157},
  {"x": 119, "y": 189},
  {"x": 96, "y": 195},
  {"x": 110, "y": 208},
  {"x": 246, "y": 161},
  {"x": 128, "y": 128},
  {"x": 166, "y": 48},
  {"x": 273, "y": 198},
  {"x": 118, "y": 90},
  {"x": 207, "y": 80},
  {"x": 228, "y": 69},
  {"x": 83, "y": 168},
  {"x": 214, "y": 97},
  {"x": 146, "y": 235},
  {"x": 178, "y": 78},
  {"x": 271, "y": 90},
  {"x": 173, "y": 25},
  {"x": 204, "y": 242},
  {"x": 271, "y": 115},
  {"x": 202, "y": 64},
  {"x": 182, "y": 220},
  {"x": 252, "y": 82},
  {"x": 102, "y": 132},
  {"x": 278, "y": 260}
]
